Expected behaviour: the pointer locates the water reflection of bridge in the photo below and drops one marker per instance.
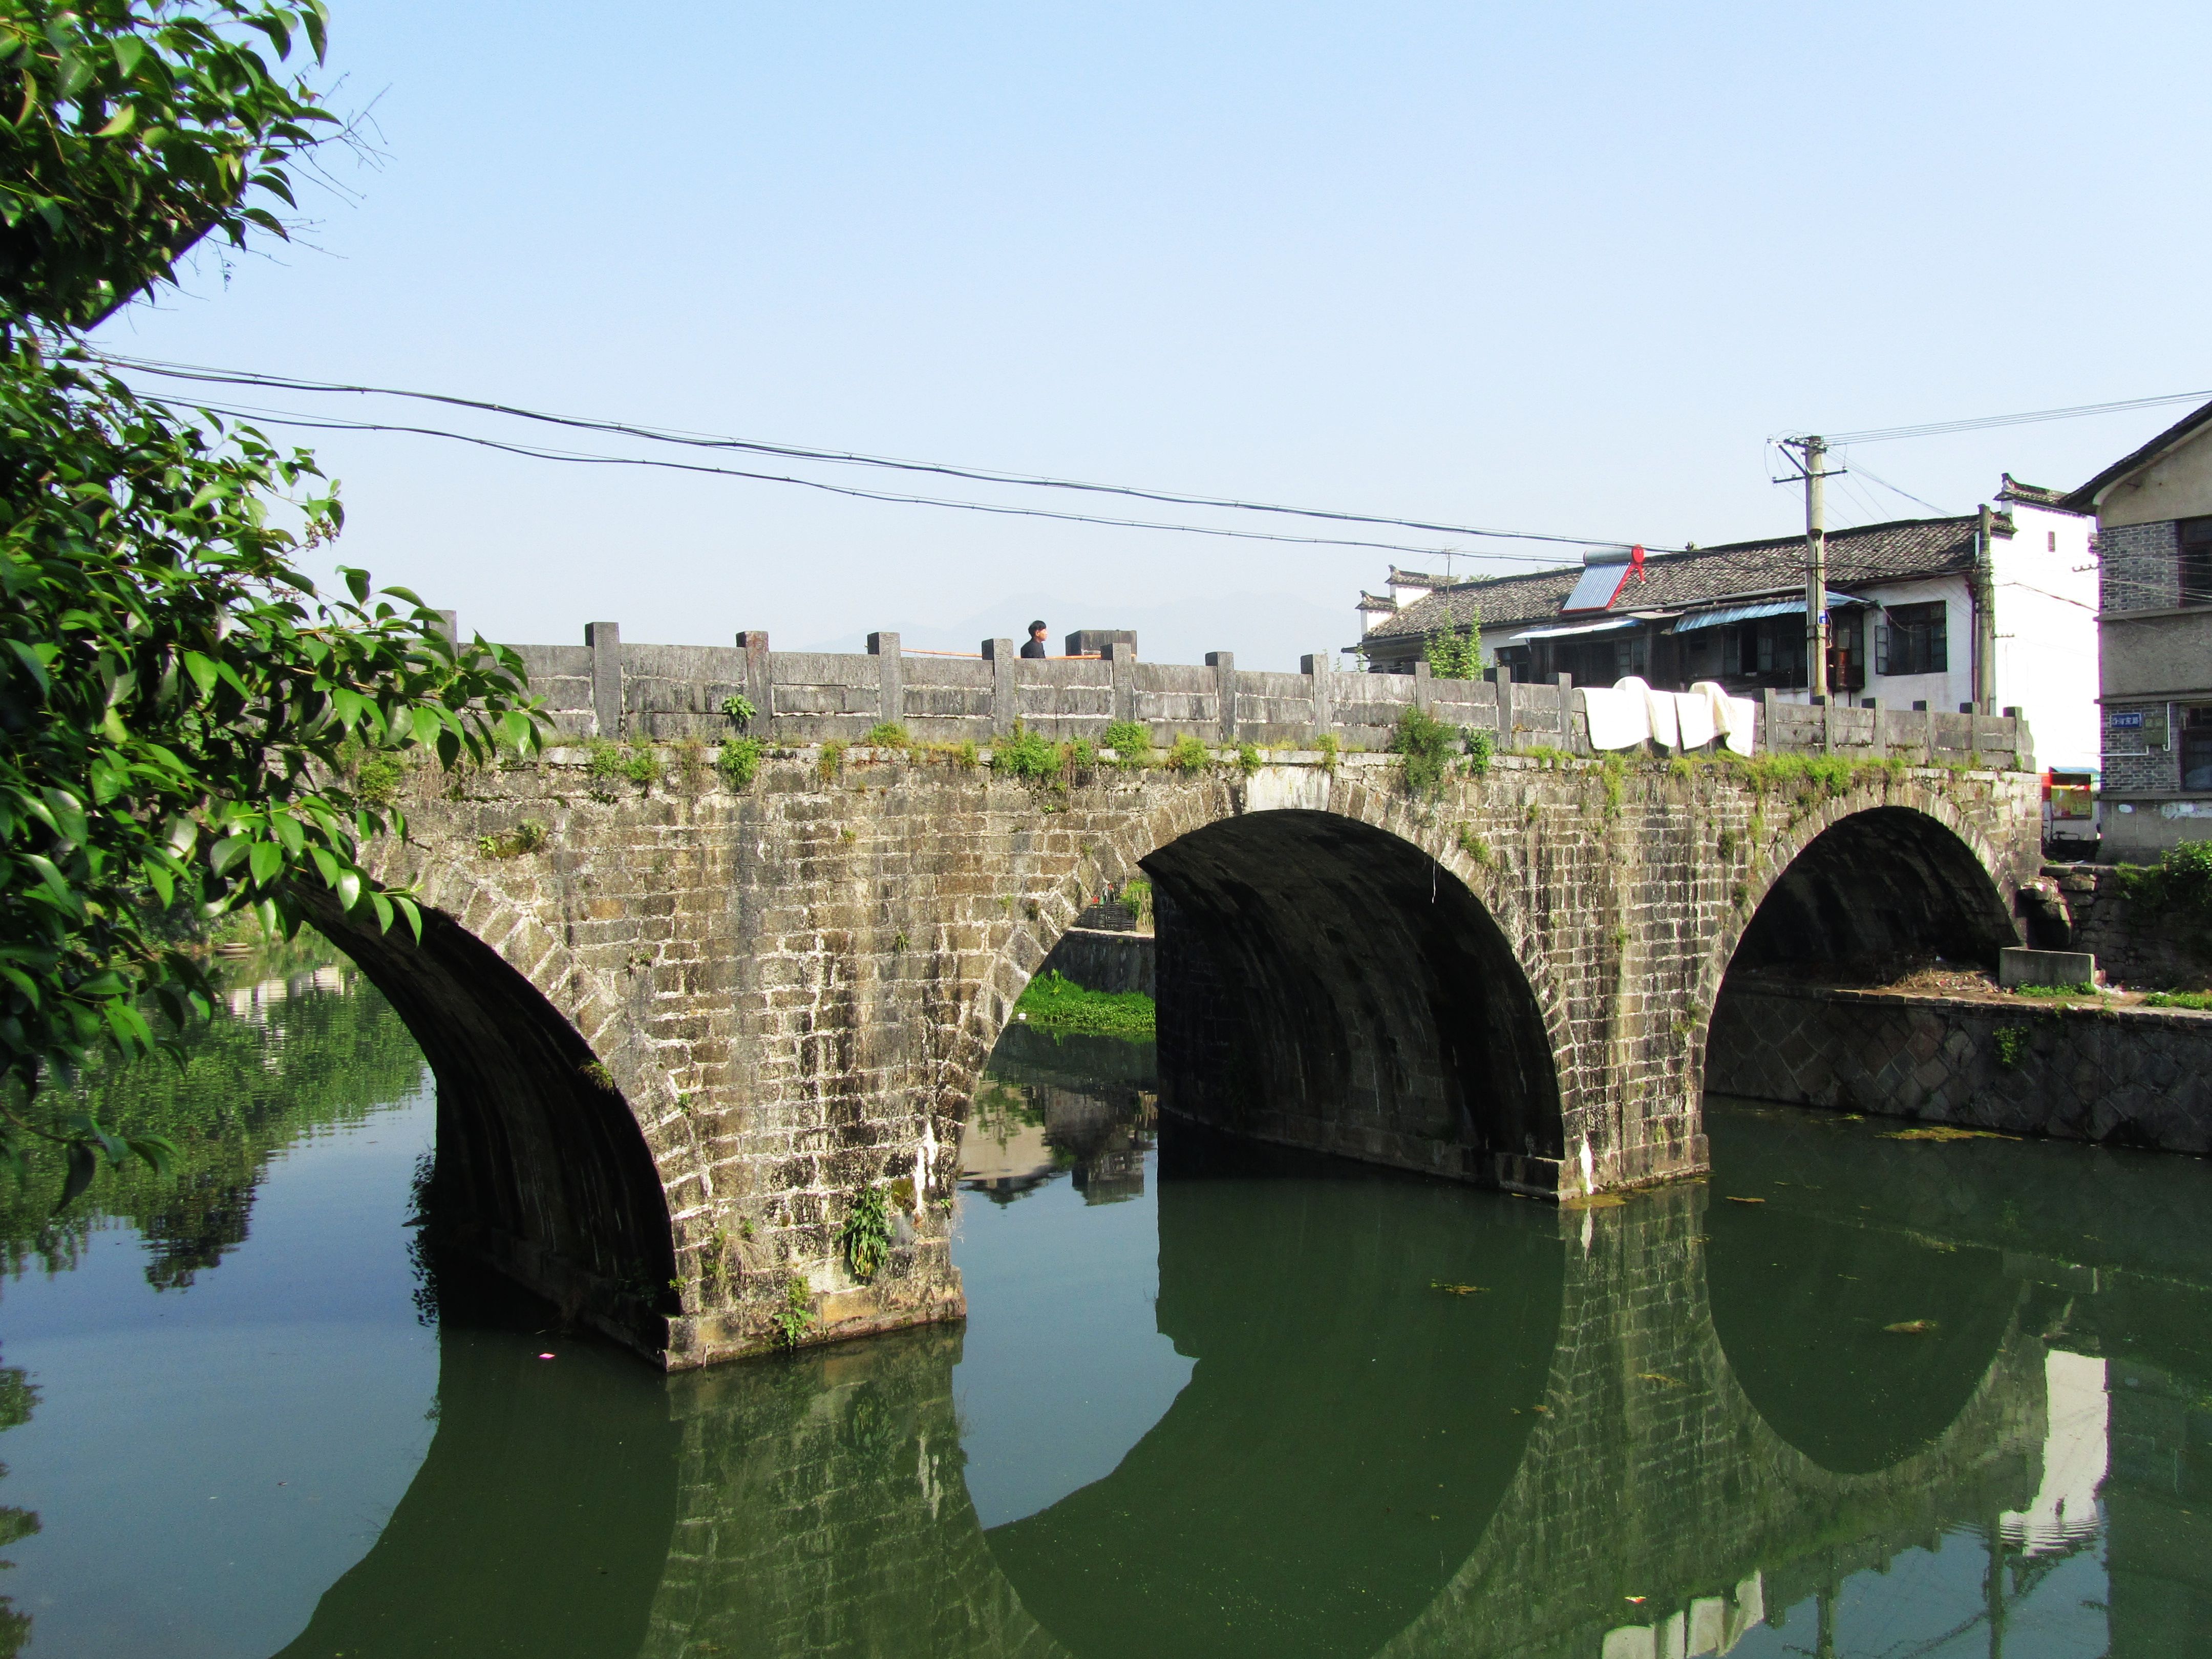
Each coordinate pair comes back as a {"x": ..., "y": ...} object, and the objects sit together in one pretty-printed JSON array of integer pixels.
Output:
[{"x": 1680, "y": 1456}]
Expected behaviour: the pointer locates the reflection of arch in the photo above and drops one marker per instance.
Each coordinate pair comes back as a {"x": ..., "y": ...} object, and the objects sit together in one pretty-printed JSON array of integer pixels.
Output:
[
  {"x": 1327, "y": 983},
  {"x": 1364, "y": 1498},
  {"x": 541, "y": 1167}
]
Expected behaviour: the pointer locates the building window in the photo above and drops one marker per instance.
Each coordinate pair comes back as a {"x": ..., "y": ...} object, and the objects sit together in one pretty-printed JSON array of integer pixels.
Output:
[
  {"x": 2196, "y": 539},
  {"x": 2196, "y": 749},
  {"x": 1915, "y": 640}
]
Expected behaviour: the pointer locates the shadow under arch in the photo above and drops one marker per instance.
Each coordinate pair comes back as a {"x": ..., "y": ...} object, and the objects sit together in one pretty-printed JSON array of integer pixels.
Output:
[
  {"x": 541, "y": 1170},
  {"x": 1325, "y": 984},
  {"x": 1874, "y": 890}
]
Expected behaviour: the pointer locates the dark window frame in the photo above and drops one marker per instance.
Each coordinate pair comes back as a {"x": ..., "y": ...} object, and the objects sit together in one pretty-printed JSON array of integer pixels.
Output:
[
  {"x": 2196, "y": 745},
  {"x": 2192, "y": 557},
  {"x": 1913, "y": 639}
]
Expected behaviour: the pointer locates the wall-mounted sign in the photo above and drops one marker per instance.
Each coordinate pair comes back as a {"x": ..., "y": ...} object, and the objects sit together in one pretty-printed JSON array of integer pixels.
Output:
[{"x": 2129, "y": 721}]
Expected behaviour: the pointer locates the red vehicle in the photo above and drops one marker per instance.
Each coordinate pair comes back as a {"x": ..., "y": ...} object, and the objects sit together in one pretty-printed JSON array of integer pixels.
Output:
[{"x": 2070, "y": 813}]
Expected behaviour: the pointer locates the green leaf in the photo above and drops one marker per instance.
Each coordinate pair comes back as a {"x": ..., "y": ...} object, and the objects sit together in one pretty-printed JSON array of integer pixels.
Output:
[
  {"x": 157, "y": 1151},
  {"x": 118, "y": 123},
  {"x": 29, "y": 658},
  {"x": 266, "y": 860},
  {"x": 83, "y": 1164}
]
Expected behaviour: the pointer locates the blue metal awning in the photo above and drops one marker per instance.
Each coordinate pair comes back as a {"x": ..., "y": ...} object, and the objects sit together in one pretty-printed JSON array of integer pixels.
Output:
[{"x": 1757, "y": 608}]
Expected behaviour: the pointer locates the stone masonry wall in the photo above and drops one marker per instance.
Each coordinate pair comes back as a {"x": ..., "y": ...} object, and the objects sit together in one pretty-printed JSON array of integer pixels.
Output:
[
  {"x": 2138, "y": 1077},
  {"x": 2140, "y": 947},
  {"x": 2139, "y": 566},
  {"x": 791, "y": 989}
]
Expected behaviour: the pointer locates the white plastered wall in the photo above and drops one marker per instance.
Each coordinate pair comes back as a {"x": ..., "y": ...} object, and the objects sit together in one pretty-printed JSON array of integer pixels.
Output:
[{"x": 2046, "y": 629}]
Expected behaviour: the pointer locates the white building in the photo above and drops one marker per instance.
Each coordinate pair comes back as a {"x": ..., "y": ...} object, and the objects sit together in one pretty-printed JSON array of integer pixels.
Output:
[{"x": 1902, "y": 610}]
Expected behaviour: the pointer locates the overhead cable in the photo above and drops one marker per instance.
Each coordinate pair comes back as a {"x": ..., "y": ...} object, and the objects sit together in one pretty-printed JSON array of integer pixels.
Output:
[
  {"x": 261, "y": 417},
  {"x": 1979, "y": 422},
  {"x": 191, "y": 371}
]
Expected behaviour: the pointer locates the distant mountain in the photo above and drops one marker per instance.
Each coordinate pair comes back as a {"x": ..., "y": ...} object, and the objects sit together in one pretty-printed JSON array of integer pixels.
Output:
[{"x": 1266, "y": 630}]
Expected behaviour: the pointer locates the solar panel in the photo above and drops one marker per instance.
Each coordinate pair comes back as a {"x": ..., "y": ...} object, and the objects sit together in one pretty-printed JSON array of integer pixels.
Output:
[{"x": 1599, "y": 585}]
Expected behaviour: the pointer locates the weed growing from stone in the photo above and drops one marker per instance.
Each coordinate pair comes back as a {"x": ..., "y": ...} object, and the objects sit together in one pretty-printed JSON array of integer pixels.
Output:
[
  {"x": 1247, "y": 759},
  {"x": 1025, "y": 755},
  {"x": 1329, "y": 749},
  {"x": 1474, "y": 846},
  {"x": 1131, "y": 741},
  {"x": 740, "y": 762},
  {"x": 1427, "y": 744},
  {"x": 1136, "y": 897},
  {"x": 1052, "y": 1002},
  {"x": 1189, "y": 757},
  {"x": 866, "y": 1237},
  {"x": 527, "y": 837},
  {"x": 1611, "y": 771},
  {"x": 2011, "y": 1042},
  {"x": 1481, "y": 749},
  {"x": 890, "y": 734},
  {"x": 795, "y": 1318},
  {"x": 832, "y": 761},
  {"x": 692, "y": 764},
  {"x": 739, "y": 710},
  {"x": 2199, "y": 1000}
]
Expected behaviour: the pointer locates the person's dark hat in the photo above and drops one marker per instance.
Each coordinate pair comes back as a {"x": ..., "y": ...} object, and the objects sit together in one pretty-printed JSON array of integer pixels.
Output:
[{"x": 1037, "y": 627}]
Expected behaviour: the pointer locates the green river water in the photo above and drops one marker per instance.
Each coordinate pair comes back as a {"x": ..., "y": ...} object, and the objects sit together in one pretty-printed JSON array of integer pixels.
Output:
[{"x": 1921, "y": 1398}]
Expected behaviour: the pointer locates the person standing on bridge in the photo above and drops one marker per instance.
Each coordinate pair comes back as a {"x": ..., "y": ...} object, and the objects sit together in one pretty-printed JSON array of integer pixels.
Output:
[{"x": 1034, "y": 646}]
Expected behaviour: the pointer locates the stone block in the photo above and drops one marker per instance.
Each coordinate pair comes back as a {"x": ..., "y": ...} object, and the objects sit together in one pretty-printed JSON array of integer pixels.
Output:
[{"x": 2018, "y": 966}]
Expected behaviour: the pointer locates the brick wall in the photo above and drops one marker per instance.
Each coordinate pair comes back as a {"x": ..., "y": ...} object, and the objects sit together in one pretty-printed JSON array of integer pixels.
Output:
[{"x": 2138, "y": 566}]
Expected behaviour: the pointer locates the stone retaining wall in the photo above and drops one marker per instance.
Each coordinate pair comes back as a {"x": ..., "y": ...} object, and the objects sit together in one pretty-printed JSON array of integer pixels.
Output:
[
  {"x": 1100, "y": 961},
  {"x": 2139, "y": 1077},
  {"x": 2142, "y": 948}
]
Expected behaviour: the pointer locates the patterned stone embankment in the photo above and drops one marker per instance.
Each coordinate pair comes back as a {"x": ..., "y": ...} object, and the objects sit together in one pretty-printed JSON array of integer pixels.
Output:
[{"x": 2125, "y": 1076}]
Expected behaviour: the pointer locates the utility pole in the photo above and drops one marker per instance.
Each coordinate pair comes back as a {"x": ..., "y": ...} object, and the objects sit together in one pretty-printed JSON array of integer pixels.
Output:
[
  {"x": 1985, "y": 619},
  {"x": 1812, "y": 453}
]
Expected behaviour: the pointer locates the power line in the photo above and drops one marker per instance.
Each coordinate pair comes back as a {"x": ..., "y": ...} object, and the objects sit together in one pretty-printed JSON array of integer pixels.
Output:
[
  {"x": 1975, "y": 423},
  {"x": 197, "y": 373},
  {"x": 586, "y": 459},
  {"x": 1877, "y": 478}
]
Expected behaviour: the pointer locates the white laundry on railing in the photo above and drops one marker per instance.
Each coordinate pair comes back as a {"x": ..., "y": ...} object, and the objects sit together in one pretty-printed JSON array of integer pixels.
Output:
[
  {"x": 1620, "y": 717},
  {"x": 1629, "y": 712},
  {"x": 1736, "y": 718}
]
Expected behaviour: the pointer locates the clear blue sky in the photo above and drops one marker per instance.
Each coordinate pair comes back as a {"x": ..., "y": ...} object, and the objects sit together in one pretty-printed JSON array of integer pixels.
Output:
[{"x": 1544, "y": 266}]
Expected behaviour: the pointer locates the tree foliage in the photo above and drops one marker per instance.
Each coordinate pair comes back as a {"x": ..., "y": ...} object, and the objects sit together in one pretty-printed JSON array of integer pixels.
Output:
[
  {"x": 1455, "y": 654},
  {"x": 180, "y": 709}
]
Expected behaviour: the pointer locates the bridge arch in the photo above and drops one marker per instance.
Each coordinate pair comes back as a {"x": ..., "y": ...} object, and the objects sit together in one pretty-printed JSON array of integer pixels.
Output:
[
  {"x": 1336, "y": 973},
  {"x": 1858, "y": 884},
  {"x": 542, "y": 1167}
]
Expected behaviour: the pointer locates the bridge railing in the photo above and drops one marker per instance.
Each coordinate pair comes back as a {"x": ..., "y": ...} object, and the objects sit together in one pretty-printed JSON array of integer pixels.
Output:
[{"x": 605, "y": 688}]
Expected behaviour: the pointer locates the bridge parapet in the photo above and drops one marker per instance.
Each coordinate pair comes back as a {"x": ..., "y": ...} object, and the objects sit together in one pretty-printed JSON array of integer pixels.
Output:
[{"x": 609, "y": 689}]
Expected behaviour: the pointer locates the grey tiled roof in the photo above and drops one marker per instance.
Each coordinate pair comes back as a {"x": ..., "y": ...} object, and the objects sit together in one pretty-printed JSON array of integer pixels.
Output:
[
  {"x": 2034, "y": 494},
  {"x": 2084, "y": 499},
  {"x": 1869, "y": 553}
]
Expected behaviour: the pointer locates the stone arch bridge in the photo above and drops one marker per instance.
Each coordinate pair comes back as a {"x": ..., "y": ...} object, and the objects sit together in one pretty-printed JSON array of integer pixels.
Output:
[{"x": 678, "y": 1026}]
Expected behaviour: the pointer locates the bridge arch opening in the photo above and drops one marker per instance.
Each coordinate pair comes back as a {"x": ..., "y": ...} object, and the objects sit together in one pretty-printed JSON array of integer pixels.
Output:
[
  {"x": 541, "y": 1170},
  {"x": 1876, "y": 892},
  {"x": 1325, "y": 984}
]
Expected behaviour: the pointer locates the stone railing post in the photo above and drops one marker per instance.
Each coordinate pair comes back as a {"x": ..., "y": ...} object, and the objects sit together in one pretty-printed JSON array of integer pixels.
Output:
[
  {"x": 1121, "y": 656},
  {"x": 1768, "y": 726},
  {"x": 1565, "y": 683},
  {"x": 1224, "y": 665},
  {"x": 885, "y": 647},
  {"x": 759, "y": 681},
  {"x": 1424, "y": 690},
  {"x": 1005, "y": 696},
  {"x": 449, "y": 626},
  {"x": 1502, "y": 678},
  {"x": 1317, "y": 669},
  {"x": 604, "y": 639}
]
